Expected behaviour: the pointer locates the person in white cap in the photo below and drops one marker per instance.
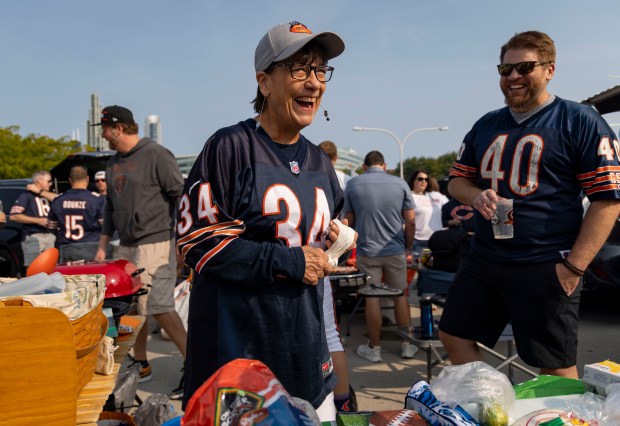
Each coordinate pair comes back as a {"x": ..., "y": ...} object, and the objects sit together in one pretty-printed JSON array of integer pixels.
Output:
[
  {"x": 254, "y": 217},
  {"x": 100, "y": 182}
]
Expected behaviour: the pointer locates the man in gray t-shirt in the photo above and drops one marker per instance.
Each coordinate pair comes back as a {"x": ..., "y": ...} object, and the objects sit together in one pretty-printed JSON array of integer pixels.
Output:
[{"x": 377, "y": 205}]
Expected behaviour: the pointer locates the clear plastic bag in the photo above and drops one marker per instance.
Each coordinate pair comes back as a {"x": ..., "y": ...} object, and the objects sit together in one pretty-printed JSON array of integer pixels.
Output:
[
  {"x": 612, "y": 404},
  {"x": 589, "y": 409},
  {"x": 475, "y": 382},
  {"x": 155, "y": 410}
]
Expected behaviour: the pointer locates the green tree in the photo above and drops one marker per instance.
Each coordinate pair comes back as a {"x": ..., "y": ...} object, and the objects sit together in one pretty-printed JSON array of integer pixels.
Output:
[
  {"x": 23, "y": 155},
  {"x": 437, "y": 167}
]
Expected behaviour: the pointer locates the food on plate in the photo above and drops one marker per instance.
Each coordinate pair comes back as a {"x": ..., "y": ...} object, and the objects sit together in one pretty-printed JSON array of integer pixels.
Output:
[{"x": 342, "y": 270}]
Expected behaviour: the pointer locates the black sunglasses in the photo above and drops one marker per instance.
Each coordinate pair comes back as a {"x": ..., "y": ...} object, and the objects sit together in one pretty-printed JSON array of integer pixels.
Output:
[
  {"x": 301, "y": 72},
  {"x": 522, "y": 68},
  {"x": 99, "y": 180},
  {"x": 422, "y": 179}
]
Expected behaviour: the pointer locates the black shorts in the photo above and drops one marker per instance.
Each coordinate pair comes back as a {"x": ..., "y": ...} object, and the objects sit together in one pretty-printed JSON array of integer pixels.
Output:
[{"x": 485, "y": 296}]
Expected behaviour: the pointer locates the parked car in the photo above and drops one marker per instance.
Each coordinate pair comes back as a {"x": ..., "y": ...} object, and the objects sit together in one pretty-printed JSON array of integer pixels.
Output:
[
  {"x": 11, "y": 256},
  {"x": 93, "y": 161},
  {"x": 604, "y": 271}
]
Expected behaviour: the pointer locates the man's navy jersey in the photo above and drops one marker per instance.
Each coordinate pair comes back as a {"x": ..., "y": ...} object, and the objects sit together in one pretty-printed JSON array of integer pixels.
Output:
[
  {"x": 454, "y": 209},
  {"x": 34, "y": 206},
  {"x": 78, "y": 216},
  {"x": 245, "y": 212},
  {"x": 544, "y": 164}
]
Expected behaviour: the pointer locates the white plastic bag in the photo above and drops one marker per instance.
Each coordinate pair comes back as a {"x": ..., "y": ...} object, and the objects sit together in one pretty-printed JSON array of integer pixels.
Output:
[
  {"x": 181, "y": 304},
  {"x": 474, "y": 382}
]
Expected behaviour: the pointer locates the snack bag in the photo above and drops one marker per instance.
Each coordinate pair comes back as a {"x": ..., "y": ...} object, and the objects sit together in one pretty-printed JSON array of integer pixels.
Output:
[{"x": 245, "y": 392}]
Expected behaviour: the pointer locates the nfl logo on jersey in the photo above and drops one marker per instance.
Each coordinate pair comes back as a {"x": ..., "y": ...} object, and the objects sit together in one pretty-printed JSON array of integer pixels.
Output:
[{"x": 294, "y": 167}]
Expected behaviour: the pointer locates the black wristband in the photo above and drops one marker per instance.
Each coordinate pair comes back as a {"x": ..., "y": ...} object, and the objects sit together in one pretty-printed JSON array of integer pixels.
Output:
[{"x": 575, "y": 270}]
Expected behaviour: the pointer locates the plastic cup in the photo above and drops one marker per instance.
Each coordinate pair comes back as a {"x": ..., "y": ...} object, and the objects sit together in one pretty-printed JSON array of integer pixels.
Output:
[{"x": 503, "y": 219}]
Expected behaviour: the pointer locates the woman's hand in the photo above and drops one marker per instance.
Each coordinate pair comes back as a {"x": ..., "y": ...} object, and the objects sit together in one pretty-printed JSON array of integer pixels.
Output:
[
  {"x": 317, "y": 264},
  {"x": 334, "y": 231}
]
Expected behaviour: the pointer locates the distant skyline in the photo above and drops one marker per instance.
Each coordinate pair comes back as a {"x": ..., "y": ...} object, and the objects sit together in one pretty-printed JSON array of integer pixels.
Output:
[{"x": 408, "y": 64}]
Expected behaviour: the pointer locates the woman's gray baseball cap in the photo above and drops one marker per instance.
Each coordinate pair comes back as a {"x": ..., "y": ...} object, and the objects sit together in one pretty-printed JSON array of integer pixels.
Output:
[{"x": 284, "y": 40}]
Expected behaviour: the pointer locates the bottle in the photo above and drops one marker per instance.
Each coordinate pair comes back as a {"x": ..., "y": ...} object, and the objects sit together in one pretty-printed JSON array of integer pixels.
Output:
[{"x": 426, "y": 317}]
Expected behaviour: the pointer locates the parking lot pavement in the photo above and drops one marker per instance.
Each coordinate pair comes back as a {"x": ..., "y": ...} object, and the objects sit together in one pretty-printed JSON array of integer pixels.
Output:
[{"x": 380, "y": 386}]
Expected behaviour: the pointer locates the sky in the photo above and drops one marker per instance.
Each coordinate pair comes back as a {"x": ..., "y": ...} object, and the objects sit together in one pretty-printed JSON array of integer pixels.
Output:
[{"x": 408, "y": 64}]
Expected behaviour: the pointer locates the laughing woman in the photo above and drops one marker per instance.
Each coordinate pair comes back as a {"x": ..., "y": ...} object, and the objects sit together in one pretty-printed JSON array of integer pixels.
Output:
[{"x": 253, "y": 221}]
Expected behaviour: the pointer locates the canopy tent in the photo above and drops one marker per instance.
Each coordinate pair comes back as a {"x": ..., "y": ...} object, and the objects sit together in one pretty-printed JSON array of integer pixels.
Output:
[{"x": 606, "y": 101}]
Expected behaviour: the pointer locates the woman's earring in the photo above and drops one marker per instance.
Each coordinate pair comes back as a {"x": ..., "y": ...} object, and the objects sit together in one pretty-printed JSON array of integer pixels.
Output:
[{"x": 261, "y": 112}]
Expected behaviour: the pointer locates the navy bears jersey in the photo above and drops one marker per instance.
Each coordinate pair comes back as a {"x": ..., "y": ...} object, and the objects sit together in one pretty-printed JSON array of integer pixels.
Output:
[
  {"x": 77, "y": 214},
  {"x": 34, "y": 206},
  {"x": 454, "y": 209},
  {"x": 545, "y": 164},
  {"x": 245, "y": 212}
]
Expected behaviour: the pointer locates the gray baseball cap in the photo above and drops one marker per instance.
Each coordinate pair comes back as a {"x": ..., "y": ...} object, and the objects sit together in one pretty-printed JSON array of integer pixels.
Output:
[{"x": 284, "y": 40}]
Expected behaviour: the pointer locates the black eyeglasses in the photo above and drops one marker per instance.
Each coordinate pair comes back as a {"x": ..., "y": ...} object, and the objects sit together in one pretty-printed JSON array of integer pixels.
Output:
[
  {"x": 99, "y": 180},
  {"x": 301, "y": 72},
  {"x": 422, "y": 179},
  {"x": 522, "y": 68}
]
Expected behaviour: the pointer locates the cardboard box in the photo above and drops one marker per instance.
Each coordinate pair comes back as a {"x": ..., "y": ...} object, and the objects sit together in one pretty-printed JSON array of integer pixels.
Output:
[{"x": 597, "y": 376}]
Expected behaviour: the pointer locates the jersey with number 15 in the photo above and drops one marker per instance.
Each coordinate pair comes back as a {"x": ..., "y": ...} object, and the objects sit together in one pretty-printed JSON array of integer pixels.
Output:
[
  {"x": 545, "y": 164},
  {"x": 78, "y": 216}
]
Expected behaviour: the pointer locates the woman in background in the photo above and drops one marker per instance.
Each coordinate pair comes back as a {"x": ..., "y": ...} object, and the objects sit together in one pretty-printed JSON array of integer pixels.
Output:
[{"x": 427, "y": 208}]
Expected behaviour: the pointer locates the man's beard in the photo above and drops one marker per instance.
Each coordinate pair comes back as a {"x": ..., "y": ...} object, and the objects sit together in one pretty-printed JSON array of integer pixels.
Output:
[{"x": 534, "y": 89}]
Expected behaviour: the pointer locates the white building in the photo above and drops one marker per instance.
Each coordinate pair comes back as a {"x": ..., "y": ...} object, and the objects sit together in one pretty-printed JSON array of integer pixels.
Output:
[
  {"x": 152, "y": 128},
  {"x": 348, "y": 159},
  {"x": 93, "y": 134}
]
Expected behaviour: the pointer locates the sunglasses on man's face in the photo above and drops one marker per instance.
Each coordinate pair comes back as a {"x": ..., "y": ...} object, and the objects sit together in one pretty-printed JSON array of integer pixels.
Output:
[
  {"x": 99, "y": 180},
  {"x": 522, "y": 68},
  {"x": 420, "y": 179}
]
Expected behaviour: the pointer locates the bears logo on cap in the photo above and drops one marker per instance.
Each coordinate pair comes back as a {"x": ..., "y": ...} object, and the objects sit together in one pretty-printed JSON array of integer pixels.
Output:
[{"x": 298, "y": 27}]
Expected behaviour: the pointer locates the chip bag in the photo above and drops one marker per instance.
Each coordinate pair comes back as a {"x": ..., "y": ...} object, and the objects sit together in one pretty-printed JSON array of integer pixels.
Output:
[{"x": 245, "y": 392}]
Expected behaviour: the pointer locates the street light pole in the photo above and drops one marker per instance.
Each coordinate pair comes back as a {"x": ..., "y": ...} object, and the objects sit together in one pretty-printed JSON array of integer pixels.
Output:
[{"x": 401, "y": 144}]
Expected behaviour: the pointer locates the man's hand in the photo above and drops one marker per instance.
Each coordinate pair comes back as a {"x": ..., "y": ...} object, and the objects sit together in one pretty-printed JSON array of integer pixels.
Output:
[
  {"x": 485, "y": 203},
  {"x": 100, "y": 254},
  {"x": 43, "y": 222},
  {"x": 568, "y": 280},
  {"x": 455, "y": 222},
  {"x": 33, "y": 188},
  {"x": 317, "y": 264}
]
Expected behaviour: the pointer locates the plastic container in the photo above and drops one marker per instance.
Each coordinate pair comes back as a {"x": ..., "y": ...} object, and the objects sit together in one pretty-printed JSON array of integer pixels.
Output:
[{"x": 36, "y": 284}]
